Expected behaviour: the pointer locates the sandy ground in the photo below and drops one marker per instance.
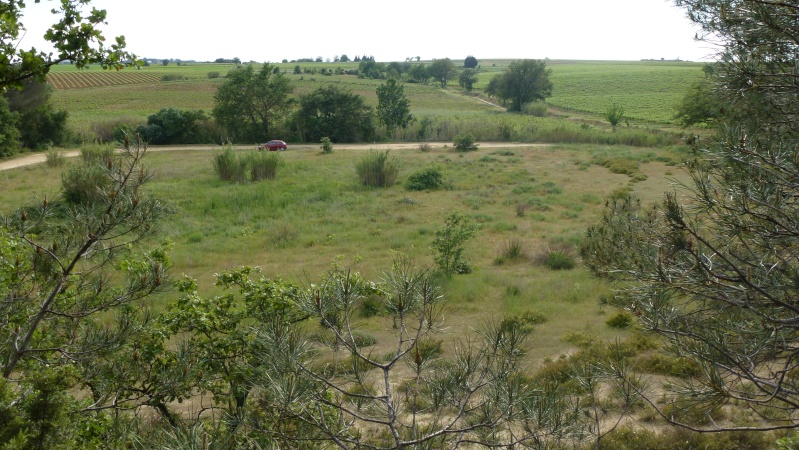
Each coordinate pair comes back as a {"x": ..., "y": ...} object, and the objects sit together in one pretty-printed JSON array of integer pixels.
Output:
[{"x": 36, "y": 158}]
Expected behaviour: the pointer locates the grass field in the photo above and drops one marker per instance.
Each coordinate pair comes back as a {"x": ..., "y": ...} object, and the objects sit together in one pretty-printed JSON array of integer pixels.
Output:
[{"x": 316, "y": 212}]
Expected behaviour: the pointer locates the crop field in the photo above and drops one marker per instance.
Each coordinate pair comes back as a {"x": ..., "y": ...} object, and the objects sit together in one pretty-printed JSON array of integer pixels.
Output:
[
  {"x": 648, "y": 91},
  {"x": 316, "y": 212},
  {"x": 72, "y": 80}
]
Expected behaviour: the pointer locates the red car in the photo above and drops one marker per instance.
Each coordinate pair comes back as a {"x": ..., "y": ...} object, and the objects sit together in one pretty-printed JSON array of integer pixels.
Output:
[{"x": 273, "y": 146}]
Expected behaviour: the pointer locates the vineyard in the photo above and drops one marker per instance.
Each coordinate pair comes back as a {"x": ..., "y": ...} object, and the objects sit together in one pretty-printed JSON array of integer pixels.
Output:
[{"x": 83, "y": 80}]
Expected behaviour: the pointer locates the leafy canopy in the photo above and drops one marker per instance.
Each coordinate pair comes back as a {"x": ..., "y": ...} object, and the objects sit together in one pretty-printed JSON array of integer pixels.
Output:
[
  {"x": 525, "y": 81},
  {"x": 75, "y": 36},
  {"x": 250, "y": 104}
]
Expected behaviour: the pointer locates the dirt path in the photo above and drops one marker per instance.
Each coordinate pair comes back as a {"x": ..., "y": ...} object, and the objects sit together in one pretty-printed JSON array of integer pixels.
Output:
[{"x": 37, "y": 158}]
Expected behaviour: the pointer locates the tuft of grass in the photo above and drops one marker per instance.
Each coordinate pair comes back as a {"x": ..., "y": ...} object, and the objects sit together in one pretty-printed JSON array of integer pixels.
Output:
[
  {"x": 377, "y": 169},
  {"x": 97, "y": 154},
  {"x": 557, "y": 257},
  {"x": 229, "y": 167},
  {"x": 511, "y": 250},
  {"x": 263, "y": 166},
  {"x": 55, "y": 158},
  {"x": 84, "y": 183}
]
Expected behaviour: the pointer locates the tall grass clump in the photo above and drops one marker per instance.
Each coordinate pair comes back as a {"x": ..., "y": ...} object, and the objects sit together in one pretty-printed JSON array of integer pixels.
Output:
[
  {"x": 229, "y": 167},
  {"x": 97, "y": 154},
  {"x": 55, "y": 158},
  {"x": 537, "y": 109},
  {"x": 557, "y": 257},
  {"x": 263, "y": 166},
  {"x": 377, "y": 169},
  {"x": 85, "y": 183}
]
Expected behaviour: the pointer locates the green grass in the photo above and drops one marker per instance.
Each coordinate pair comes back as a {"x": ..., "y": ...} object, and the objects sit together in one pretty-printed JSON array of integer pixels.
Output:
[{"x": 315, "y": 211}]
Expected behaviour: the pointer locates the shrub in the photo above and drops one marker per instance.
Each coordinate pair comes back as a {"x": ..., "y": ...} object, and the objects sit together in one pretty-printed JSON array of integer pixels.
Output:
[
  {"x": 263, "y": 166},
  {"x": 55, "y": 158},
  {"x": 172, "y": 77},
  {"x": 229, "y": 167},
  {"x": 214, "y": 74},
  {"x": 327, "y": 145},
  {"x": 430, "y": 178},
  {"x": 425, "y": 147},
  {"x": 449, "y": 243},
  {"x": 620, "y": 320},
  {"x": 465, "y": 143},
  {"x": 377, "y": 169},
  {"x": 372, "y": 306}
]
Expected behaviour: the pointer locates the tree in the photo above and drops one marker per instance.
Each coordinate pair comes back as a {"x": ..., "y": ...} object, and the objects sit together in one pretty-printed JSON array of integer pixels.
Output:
[
  {"x": 467, "y": 78},
  {"x": 526, "y": 80},
  {"x": 699, "y": 105},
  {"x": 9, "y": 130},
  {"x": 76, "y": 38},
  {"x": 43, "y": 125},
  {"x": 72, "y": 282},
  {"x": 442, "y": 70},
  {"x": 713, "y": 270},
  {"x": 335, "y": 388},
  {"x": 393, "y": 108},
  {"x": 614, "y": 114},
  {"x": 335, "y": 113},
  {"x": 470, "y": 62},
  {"x": 250, "y": 104},
  {"x": 419, "y": 73},
  {"x": 344, "y": 58}
]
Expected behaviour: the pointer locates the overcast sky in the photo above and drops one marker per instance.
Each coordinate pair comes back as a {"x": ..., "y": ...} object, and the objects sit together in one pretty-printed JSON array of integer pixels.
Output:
[{"x": 392, "y": 31}]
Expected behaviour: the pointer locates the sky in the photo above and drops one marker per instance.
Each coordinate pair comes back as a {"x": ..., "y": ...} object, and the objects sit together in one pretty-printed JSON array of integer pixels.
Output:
[{"x": 270, "y": 31}]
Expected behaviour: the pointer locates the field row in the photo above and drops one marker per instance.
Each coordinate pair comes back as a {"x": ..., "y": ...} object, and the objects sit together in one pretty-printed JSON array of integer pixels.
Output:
[{"x": 83, "y": 80}]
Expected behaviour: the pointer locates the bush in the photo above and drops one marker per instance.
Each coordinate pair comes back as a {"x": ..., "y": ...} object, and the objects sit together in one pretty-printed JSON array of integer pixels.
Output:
[
  {"x": 620, "y": 320},
  {"x": 430, "y": 178},
  {"x": 449, "y": 243},
  {"x": 172, "y": 77},
  {"x": 377, "y": 169},
  {"x": 263, "y": 166},
  {"x": 214, "y": 74},
  {"x": 229, "y": 167},
  {"x": 465, "y": 143},
  {"x": 327, "y": 145}
]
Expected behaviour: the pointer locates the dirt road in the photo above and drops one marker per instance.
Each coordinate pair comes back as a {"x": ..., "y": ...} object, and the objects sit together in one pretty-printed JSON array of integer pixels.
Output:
[{"x": 36, "y": 158}]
